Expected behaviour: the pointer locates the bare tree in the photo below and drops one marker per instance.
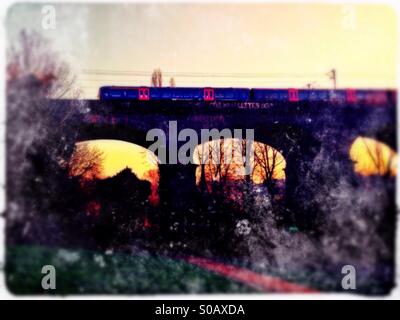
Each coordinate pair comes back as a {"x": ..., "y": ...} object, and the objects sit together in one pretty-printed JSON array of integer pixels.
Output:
[
  {"x": 31, "y": 56},
  {"x": 202, "y": 163},
  {"x": 383, "y": 162},
  {"x": 37, "y": 141},
  {"x": 266, "y": 162},
  {"x": 218, "y": 164},
  {"x": 35, "y": 72},
  {"x": 219, "y": 161},
  {"x": 156, "y": 78},
  {"x": 86, "y": 162},
  {"x": 239, "y": 149}
]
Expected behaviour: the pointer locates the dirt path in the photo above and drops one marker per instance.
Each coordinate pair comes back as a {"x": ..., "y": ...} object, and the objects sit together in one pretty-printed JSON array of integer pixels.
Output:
[{"x": 258, "y": 281}]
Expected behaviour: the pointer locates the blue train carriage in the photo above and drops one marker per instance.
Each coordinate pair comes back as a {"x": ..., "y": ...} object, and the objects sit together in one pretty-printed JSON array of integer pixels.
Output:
[
  {"x": 283, "y": 95},
  {"x": 123, "y": 93},
  {"x": 117, "y": 93},
  {"x": 208, "y": 94},
  {"x": 372, "y": 97},
  {"x": 343, "y": 96},
  {"x": 318, "y": 95},
  {"x": 291, "y": 95},
  {"x": 270, "y": 95},
  {"x": 307, "y": 95},
  {"x": 199, "y": 94},
  {"x": 334, "y": 96},
  {"x": 352, "y": 96},
  {"x": 175, "y": 93},
  {"x": 227, "y": 94}
]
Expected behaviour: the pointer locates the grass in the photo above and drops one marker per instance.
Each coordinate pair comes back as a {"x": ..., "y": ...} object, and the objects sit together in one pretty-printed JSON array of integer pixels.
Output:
[{"x": 88, "y": 272}]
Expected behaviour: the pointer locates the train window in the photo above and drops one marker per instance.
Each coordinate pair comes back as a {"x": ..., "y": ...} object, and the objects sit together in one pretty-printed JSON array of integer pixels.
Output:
[
  {"x": 144, "y": 94},
  {"x": 351, "y": 95},
  {"x": 209, "y": 94},
  {"x": 293, "y": 94}
]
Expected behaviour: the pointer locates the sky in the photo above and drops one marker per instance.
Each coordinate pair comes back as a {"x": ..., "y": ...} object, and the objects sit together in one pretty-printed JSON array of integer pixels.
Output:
[
  {"x": 373, "y": 158},
  {"x": 234, "y": 45},
  {"x": 118, "y": 155}
]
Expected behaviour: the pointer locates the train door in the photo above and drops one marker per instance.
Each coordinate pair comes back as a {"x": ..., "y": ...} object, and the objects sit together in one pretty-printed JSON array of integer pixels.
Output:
[
  {"x": 293, "y": 95},
  {"x": 209, "y": 94},
  {"x": 144, "y": 94},
  {"x": 351, "y": 95}
]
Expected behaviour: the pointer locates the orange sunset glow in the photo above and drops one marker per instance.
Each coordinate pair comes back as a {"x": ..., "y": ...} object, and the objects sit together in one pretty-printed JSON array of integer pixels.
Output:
[
  {"x": 118, "y": 155},
  {"x": 266, "y": 161},
  {"x": 372, "y": 157}
]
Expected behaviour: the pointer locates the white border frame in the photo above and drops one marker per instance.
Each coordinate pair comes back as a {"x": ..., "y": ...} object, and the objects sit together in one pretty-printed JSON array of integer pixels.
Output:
[{"x": 5, "y": 294}]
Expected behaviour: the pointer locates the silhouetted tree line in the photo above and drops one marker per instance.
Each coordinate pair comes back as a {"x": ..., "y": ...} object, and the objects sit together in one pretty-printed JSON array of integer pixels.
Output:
[
  {"x": 122, "y": 210},
  {"x": 35, "y": 145}
]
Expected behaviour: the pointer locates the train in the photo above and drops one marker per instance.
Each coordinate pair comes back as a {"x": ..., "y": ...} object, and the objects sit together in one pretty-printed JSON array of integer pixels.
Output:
[{"x": 211, "y": 94}]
